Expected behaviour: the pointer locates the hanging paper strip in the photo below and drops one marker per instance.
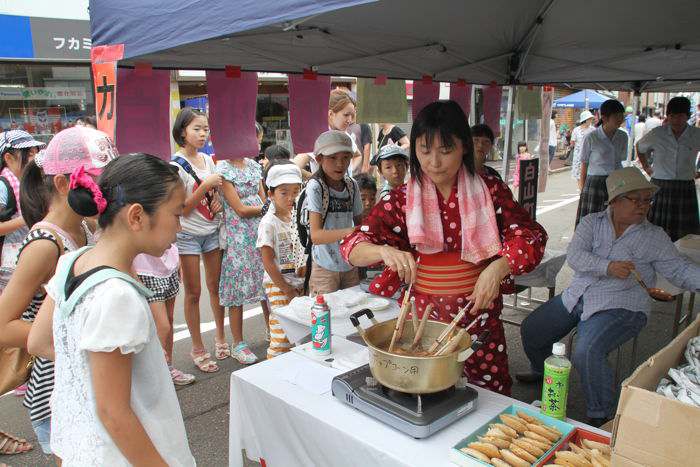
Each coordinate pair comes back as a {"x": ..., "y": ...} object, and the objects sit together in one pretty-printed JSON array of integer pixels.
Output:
[
  {"x": 308, "y": 110},
  {"x": 424, "y": 93},
  {"x": 104, "y": 60},
  {"x": 461, "y": 93},
  {"x": 528, "y": 102},
  {"x": 492, "y": 108},
  {"x": 232, "y": 107},
  {"x": 174, "y": 109},
  {"x": 381, "y": 103},
  {"x": 144, "y": 112}
]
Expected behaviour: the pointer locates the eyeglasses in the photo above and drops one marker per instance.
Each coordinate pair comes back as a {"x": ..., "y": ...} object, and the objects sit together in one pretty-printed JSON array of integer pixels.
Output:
[{"x": 639, "y": 201}]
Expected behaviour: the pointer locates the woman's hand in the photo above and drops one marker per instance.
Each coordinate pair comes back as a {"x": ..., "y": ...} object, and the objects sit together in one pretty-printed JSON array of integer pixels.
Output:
[
  {"x": 400, "y": 261},
  {"x": 215, "y": 205},
  {"x": 213, "y": 181},
  {"x": 488, "y": 285}
]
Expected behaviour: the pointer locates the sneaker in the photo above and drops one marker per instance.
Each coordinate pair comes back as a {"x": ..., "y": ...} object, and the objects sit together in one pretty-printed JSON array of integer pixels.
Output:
[
  {"x": 20, "y": 391},
  {"x": 243, "y": 354},
  {"x": 180, "y": 378}
]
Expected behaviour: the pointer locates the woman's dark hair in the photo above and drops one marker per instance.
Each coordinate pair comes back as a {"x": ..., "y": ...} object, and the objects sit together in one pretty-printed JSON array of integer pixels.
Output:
[
  {"x": 610, "y": 107},
  {"x": 554, "y": 114},
  {"x": 277, "y": 153},
  {"x": 482, "y": 131},
  {"x": 23, "y": 155},
  {"x": 35, "y": 193},
  {"x": 521, "y": 144},
  {"x": 184, "y": 118},
  {"x": 366, "y": 182},
  {"x": 444, "y": 119},
  {"x": 86, "y": 120},
  {"x": 271, "y": 164},
  {"x": 642, "y": 118},
  {"x": 678, "y": 105},
  {"x": 127, "y": 180}
]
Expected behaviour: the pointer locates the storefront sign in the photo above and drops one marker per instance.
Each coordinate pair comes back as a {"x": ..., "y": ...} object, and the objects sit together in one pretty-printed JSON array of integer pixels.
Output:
[
  {"x": 11, "y": 93},
  {"x": 527, "y": 190},
  {"x": 45, "y": 38}
]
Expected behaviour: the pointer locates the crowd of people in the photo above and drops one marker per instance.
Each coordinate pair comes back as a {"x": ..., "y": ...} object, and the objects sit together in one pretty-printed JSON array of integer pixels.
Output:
[{"x": 94, "y": 254}]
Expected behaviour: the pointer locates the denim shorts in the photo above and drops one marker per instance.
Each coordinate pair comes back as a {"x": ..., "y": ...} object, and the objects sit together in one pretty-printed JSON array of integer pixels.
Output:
[
  {"x": 42, "y": 428},
  {"x": 188, "y": 244}
]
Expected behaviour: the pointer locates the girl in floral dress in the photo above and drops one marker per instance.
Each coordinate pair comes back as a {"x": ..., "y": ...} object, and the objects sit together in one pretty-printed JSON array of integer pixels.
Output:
[{"x": 242, "y": 270}]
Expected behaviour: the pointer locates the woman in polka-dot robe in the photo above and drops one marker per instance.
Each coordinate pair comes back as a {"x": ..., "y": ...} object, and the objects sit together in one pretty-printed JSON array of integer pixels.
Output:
[{"x": 523, "y": 241}]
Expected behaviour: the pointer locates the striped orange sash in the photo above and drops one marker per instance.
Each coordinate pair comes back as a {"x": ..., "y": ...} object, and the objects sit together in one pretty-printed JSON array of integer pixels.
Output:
[{"x": 446, "y": 274}]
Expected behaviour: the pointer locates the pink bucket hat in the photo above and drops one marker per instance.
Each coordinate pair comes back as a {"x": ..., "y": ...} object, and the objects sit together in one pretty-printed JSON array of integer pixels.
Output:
[{"x": 76, "y": 147}]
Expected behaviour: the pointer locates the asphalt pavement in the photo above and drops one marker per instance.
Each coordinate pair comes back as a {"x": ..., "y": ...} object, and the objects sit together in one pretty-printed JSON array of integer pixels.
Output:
[{"x": 205, "y": 405}]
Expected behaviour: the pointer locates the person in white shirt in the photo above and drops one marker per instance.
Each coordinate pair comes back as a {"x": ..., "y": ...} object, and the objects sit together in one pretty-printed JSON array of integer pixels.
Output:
[
  {"x": 675, "y": 147},
  {"x": 577, "y": 136},
  {"x": 602, "y": 151},
  {"x": 640, "y": 128},
  {"x": 654, "y": 121},
  {"x": 552, "y": 136}
]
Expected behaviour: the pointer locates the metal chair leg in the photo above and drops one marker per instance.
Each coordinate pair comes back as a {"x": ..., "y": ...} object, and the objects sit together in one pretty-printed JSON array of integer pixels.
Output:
[{"x": 677, "y": 314}]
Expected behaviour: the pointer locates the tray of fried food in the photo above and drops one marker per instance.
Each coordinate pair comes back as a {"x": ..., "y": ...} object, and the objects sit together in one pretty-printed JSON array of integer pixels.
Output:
[
  {"x": 516, "y": 438},
  {"x": 584, "y": 449}
]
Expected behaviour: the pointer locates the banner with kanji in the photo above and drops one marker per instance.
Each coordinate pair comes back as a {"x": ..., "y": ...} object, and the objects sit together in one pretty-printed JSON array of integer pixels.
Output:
[
  {"x": 232, "y": 106},
  {"x": 104, "y": 76}
]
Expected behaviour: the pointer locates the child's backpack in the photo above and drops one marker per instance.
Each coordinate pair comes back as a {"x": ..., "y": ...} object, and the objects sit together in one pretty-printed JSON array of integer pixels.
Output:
[
  {"x": 302, "y": 220},
  {"x": 10, "y": 208}
]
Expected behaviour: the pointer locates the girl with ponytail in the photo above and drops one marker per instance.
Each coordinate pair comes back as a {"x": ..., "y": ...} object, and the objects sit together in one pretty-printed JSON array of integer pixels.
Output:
[
  {"x": 97, "y": 324},
  {"x": 55, "y": 229}
]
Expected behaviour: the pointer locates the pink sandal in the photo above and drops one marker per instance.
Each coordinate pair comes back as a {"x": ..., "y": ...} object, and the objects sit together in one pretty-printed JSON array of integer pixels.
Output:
[
  {"x": 222, "y": 351},
  {"x": 202, "y": 360}
]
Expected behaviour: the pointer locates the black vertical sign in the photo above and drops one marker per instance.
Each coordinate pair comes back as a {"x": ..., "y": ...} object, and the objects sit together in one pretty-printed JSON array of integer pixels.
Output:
[{"x": 527, "y": 191}]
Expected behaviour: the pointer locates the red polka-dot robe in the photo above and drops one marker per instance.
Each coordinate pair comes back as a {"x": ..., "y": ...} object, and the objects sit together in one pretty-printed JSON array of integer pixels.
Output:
[{"x": 523, "y": 242}]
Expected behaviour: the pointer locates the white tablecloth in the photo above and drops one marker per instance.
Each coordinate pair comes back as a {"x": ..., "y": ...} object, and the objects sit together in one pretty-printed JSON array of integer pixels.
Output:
[
  {"x": 297, "y": 329},
  {"x": 282, "y": 410},
  {"x": 688, "y": 246}
]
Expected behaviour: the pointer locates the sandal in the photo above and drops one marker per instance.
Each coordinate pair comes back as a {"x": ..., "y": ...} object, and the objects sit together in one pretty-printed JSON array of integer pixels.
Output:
[
  {"x": 222, "y": 351},
  {"x": 203, "y": 362},
  {"x": 12, "y": 445}
]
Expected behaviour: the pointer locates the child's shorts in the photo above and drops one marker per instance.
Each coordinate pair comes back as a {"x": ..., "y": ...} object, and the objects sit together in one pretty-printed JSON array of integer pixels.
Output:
[
  {"x": 197, "y": 244},
  {"x": 42, "y": 429},
  {"x": 279, "y": 343},
  {"x": 163, "y": 288}
]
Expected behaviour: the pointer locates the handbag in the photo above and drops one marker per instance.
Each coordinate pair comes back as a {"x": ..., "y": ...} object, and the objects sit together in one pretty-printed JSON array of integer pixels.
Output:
[{"x": 15, "y": 365}]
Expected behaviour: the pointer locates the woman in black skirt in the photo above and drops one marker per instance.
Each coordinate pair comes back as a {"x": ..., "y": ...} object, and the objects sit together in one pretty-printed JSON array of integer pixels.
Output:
[{"x": 602, "y": 151}]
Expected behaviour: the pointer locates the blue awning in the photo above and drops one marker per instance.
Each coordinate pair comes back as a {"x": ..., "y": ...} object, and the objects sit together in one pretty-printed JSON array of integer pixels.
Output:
[{"x": 581, "y": 100}]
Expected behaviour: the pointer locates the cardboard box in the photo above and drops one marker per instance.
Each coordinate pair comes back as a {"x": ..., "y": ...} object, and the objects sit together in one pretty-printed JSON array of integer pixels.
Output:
[{"x": 650, "y": 429}]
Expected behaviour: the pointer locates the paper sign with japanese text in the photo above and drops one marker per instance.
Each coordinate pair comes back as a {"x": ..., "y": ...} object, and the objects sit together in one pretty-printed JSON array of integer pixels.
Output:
[
  {"x": 527, "y": 190},
  {"x": 105, "y": 79}
]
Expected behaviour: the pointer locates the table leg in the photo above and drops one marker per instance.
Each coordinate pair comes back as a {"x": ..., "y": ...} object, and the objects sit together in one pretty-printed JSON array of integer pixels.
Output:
[
  {"x": 551, "y": 292},
  {"x": 677, "y": 315}
]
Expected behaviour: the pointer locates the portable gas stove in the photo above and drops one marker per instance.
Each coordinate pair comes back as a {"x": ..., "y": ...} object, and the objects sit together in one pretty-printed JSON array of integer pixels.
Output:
[{"x": 416, "y": 415}]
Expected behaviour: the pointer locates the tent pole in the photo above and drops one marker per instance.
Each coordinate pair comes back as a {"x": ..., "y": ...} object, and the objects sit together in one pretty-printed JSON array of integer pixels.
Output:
[{"x": 507, "y": 145}]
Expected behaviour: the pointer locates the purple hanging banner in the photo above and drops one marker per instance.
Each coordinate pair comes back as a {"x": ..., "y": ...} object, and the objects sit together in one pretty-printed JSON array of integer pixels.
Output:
[
  {"x": 461, "y": 93},
  {"x": 424, "y": 93},
  {"x": 143, "y": 107},
  {"x": 308, "y": 109},
  {"x": 232, "y": 106},
  {"x": 492, "y": 108}
]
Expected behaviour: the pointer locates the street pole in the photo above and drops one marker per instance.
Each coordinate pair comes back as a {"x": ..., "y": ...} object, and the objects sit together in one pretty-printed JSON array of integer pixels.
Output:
[{"x": 510, "y": 115}]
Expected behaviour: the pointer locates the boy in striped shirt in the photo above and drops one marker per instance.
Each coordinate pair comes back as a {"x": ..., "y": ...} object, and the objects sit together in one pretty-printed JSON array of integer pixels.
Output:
[{"x": 281, "y": 251}]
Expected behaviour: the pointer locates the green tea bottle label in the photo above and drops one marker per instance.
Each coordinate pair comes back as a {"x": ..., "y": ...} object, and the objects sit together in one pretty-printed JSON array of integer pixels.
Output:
[{"x": 555, "y": 390}]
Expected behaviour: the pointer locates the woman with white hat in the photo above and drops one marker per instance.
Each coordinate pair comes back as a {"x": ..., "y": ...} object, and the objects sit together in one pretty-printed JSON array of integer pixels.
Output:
[{"x": 580, "y": 132}]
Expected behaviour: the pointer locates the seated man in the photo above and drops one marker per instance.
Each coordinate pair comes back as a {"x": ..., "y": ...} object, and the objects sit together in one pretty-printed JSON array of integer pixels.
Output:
[{"x": 604, "y": 301}]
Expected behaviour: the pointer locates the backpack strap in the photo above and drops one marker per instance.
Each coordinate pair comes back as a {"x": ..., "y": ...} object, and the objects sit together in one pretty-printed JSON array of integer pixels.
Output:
[
  {"x": 66, "y": 306},
  {"x": 11, "y": 207},
  {"x": 187, "y": 167}
]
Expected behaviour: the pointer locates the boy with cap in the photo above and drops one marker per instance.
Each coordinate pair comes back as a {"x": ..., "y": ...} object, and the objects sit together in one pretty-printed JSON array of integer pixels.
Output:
[
  {"x": 392, "y": 162},
  {"x": 604, "y": 302},
  {"x": 280, "y": 249}
]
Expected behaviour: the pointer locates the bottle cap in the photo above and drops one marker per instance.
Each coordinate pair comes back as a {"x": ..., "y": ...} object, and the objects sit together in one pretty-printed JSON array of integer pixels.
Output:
[
  {"x": 559, "y": 348},
  {"x": 320, "y": 300}
]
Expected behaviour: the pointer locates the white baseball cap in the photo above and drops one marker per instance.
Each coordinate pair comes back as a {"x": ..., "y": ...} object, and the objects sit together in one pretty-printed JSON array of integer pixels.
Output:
[{"x": 281, "y": 174}]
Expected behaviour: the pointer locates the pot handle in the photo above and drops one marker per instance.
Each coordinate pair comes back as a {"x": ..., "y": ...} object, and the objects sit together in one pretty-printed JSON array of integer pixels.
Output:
[
  {"x": 466, "y": 353},
  {"x": 354, "y": 319}
]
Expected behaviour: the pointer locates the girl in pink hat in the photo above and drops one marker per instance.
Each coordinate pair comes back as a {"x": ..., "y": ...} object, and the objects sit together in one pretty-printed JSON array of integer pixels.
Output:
[{"x": 54, "y": 229}]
